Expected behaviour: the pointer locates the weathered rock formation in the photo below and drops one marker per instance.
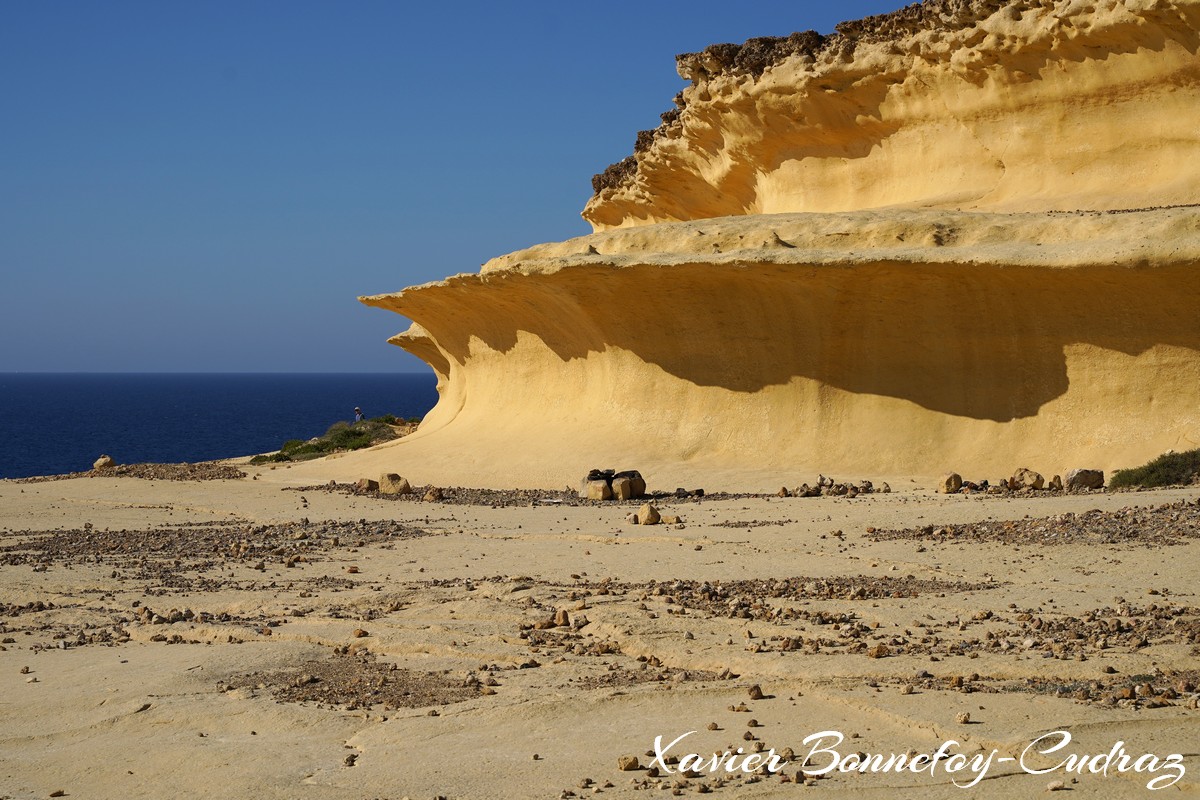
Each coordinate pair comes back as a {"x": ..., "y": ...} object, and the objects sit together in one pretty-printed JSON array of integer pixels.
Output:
[
  {"x": 936, "y": 238},
  {"x": 992, "y": 104}
]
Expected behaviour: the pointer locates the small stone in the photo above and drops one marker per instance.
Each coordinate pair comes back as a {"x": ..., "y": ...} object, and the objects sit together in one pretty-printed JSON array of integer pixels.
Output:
[
  {"x": 434, "y": 495},
  {"x": 628, "y": 763},
  {"x": 1055, "y": 786},
  {"x": 366, "y": 485},
  {"x": 353, "y": 570},
  {"x": 1056, "y": 483},
  {"x": 561, "y": 618},
  {"x": 648, "y": 515},
  {"x": 360, "y": 633},
  {"x": 963, "y": 718},
  {"x": 103, "y": 462},
  {"x": 756, "y": 692},
  {"x": 879, "y": 651}
]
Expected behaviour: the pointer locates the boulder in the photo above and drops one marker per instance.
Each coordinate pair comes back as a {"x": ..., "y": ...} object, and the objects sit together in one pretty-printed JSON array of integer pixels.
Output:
[
  {"x": 597, "y": 490},
  {"x": 367, "y": 485},
  {"x": 1056, "y": 483},
  {"x": 1084, "y": 479},
  {"x": 620, "y": 485},
  {"x": 951, "y": 483},
  {"x": 622, "y": 489},
  {"x": 104, "y": 462},
  {"x": 391, "y": 483},
  {"x": 636, "y": 479},
  {"x": 648, "y": 515},
  {"x": 1026, "y": 479}
]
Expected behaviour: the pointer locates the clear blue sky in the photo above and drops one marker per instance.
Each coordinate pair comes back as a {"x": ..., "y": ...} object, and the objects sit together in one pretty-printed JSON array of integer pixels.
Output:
[{"x": 209, "y": 186}]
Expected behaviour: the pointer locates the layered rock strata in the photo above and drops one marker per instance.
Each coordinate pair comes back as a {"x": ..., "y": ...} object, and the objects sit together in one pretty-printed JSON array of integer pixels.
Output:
[
  {"x": 1010, "y": 106},
  {"x": 960, "y": 236}
]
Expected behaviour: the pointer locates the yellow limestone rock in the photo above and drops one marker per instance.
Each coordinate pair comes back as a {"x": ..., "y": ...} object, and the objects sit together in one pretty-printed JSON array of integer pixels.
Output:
[
  {"x": 1029, "y": 105},
  {"x": 961, "y": 234}
]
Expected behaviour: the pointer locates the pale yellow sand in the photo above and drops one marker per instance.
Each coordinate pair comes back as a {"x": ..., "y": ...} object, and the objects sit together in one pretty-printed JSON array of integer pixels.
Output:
[{"x": 78, "y": 728}]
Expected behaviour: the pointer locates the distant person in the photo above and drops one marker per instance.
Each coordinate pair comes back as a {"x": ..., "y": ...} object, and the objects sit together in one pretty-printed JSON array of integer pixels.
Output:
[{"x": 358, "y": 415}]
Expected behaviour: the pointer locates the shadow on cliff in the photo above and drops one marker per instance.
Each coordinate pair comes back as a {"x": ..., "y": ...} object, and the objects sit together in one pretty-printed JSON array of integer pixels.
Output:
[{"x": 985, "y": 342}]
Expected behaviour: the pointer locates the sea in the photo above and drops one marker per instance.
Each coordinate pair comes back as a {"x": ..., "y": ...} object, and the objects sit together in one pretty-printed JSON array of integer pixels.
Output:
[{"x": 53, "y": 423}]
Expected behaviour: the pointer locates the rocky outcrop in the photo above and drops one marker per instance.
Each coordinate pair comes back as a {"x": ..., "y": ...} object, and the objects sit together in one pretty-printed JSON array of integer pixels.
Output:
[
  {"x": 788, "y": 320},
  {"x": 1011, "y": 105},
  {"x": 878, "y": 343}
]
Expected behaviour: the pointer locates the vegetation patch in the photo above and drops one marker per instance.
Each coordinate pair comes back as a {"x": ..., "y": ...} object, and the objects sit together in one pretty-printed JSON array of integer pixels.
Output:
[
  {"x": 1169, "y": 469},
  {"x": 341, "y": 437}
]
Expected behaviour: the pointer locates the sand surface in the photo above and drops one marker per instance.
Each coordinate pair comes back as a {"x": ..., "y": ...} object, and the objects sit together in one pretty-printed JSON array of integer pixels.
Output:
[{"x": 409, "y": 650}]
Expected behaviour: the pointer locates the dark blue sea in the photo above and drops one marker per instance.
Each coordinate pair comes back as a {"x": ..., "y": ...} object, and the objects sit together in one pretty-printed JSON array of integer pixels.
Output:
[{"x": 56, "y": 423}]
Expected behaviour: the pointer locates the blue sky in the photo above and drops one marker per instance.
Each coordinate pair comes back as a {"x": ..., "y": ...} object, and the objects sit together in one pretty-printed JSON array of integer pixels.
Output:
[{"x": 209, "y": 186}]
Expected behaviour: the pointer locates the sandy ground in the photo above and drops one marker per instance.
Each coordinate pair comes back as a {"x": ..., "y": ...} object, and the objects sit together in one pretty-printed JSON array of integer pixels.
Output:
[{"x": 162, "y": 646}]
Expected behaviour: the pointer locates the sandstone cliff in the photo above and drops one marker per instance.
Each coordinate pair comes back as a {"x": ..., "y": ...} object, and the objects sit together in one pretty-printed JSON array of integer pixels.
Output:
[
  {"x": 992, "y": 105},
  {"x": 862, "y": 253}
]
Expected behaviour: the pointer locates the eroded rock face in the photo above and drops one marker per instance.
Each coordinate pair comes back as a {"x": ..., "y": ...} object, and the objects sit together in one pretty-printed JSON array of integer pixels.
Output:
[
  {"x": 995, "y": 104},
  {"x": 785, "y": 322}
]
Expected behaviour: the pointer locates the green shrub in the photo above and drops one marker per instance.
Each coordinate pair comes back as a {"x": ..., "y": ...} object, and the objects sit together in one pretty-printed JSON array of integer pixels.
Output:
[
  {"x": 1169, "y": 469},
  {"x": 340, "y": 436}
]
